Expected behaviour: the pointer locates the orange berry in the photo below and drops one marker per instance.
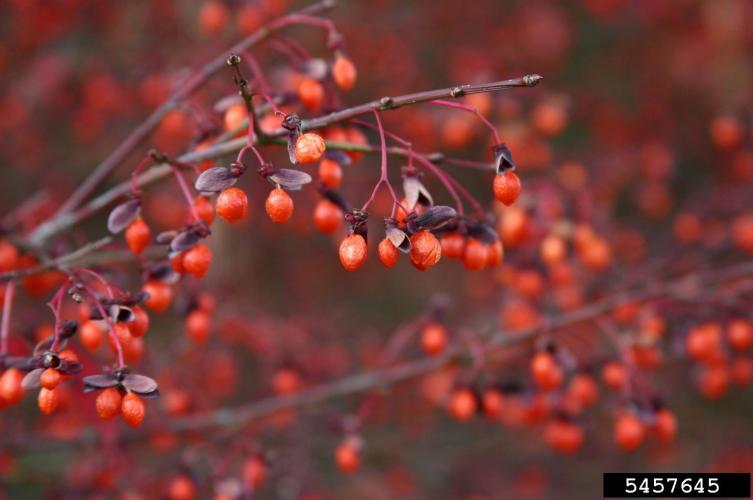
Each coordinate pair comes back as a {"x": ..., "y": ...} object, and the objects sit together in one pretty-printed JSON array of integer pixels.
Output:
[
  {"x": 741, "y": 371},
  {"x": 741, "y": 232},
  {"x": 8, "y": 257},
  {"x": 91, "y": 335},
  {"x": 713, "y": 381},
  {"x": 475, "y": 255},
  {"x": 50, "y": 378},
  {"x": 493, "y": 402},
  {"x": 563, "y": 436},
  {"x": 197, "y": 260},
  {"x": 433, "y": 339},
  {"x": 177, "y": 263},
  {"x": 614, "y": 375},
  {"x": 286, "y": 381},
  {"x": 453, "y": 245},
  {"x": 232, "y": 204},
  {"x": 425, "y": 250},
  {"x": 462, "y": 404},
  {"x": 552, "y": 249},
  {"x": 494, "y": 254},
  {"x": 546, "y": 372},
  {"x": 549, "y": 118},
  {"x": 160, "y": 295},
  {"x": 629, "y": 432},
  {"x": 311, "y": 93},
  {"x": 48, "y": 400},
  {"x": 234, "y": 116},
  {"x": 11, "y": 390},
  {"x": 254, "y": 471},
  {"x": 665, "y": 425},
  {"x": 330, "y": 173},
  {"x": 583, "y": 390},
  {"x": 132, "y": 409},
  {"x": 507, "y": 187},
  {"x": 703, "y": 342},
  {"x": 388, "y": 254},
  {"x": 213, "y": 17},
  {"x": 309, "y": 148},
  {"x": 108, "y": 403},
  {"x": 205, "y": 164},
  {"x": 123, "y": 334},
  {"x": 344, "y": 72},
  {"x": 347, "y": 457},
  {"x": 140, "y": 323},
  {"x": 355, "y": 136},
  {"x": 353, "y": 252},
  {"x": 181, "y": 488},
  {"x": 279, "y": 206},
  {"x": 198, "y": 325},
  {"x": 327, "y": 217},
  {"x": 726, "y": 131},
  {"x": 137, "y": 236},
  {"x": 204, "y": 209}
]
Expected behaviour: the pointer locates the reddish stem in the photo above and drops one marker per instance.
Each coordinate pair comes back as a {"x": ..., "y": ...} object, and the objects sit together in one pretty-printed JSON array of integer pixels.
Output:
[
  {"x": 7, "y": 306},
  {"x": 475, "y": 111}
]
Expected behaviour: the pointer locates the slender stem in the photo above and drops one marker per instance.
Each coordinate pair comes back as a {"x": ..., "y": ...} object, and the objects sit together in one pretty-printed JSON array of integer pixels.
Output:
[
  {"x": 111, "y": 326},
  {"x": 7, "y": 306},
  {"x": 186, "y": 193},
  {"x": 475, "y": 111},
  {"x": 383, "y": 177},
  {"x": 61, "y": 262},
  {"x": 56, "y": 304}
]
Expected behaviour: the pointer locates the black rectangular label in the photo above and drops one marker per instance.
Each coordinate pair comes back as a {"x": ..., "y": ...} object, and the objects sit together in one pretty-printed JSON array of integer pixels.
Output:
[{"x": 676, "y": 485}]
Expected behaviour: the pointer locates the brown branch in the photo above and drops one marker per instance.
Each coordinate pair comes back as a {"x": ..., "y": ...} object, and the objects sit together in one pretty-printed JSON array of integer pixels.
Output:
[
  {"x": 140, "y": 133},
  {"x": 64, "y": 221}
]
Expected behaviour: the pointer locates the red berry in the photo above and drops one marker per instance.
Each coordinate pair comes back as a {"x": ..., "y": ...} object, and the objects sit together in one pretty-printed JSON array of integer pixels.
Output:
[
  {"x": 213, "y": 17},
  {"x": 198, "y": 325},
  {"x": 507, "y": 187},
  {"x": 353, "y": 252},
  {"x": 583, "y": 390},
  {"x": 50, "y": 378},
  {"x": 740, "y": 334},
  {"x": 388, "y": 254},
  {"x": 327, "y": 217},
  {"x": 433, "y": 339},
  {"x": 91, "y": 335},
  {"x": 8, "y": 257},
  {"x": 629, "y": 432},
  {"x": 462, "y": 404},
  {"x": 563, "y": 436},
  {"x": 137, "y": 236},
  {"x": 494, "y": 254},
  {"x": 347, "y": 457},
  {"x": 232, "y": 204},
  {"x": 108, "y": 403},
  {"x": 254, "y": 471},
  {"x": 665, "y": 425},
  {"x": 279, "y": 206},
  {"x": 614, "y": 375},
  {"x": 475, "y": 255},
  {"x": 181, "y": 488},
  {"x": 160, "y": 295},
  {"x": 204, "y": 209},
  {"x": 140, "y": 323},
  {"x": 11, "y": 390},
  {"x": 48, "y": 400},
  {"x": 197, "y": 260},
  {"x": 286, "y": 381},
  {"x": 344, "y": 72},
  {"x": 453, "y": 245},
  {"x": 546, "y": 371},
  {"x": 309, "y": 148},
  {"x": 425, "y": 250},
  {"x": 311, "y": 94},
  {"x": 493, "y": 403},
  {"x": 132, "y": 409},
  {"x": 330, "y": 173}
]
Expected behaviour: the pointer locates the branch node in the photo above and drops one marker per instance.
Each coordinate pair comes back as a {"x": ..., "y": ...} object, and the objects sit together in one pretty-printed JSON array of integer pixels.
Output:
[{"x": 532, "y": 80}]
